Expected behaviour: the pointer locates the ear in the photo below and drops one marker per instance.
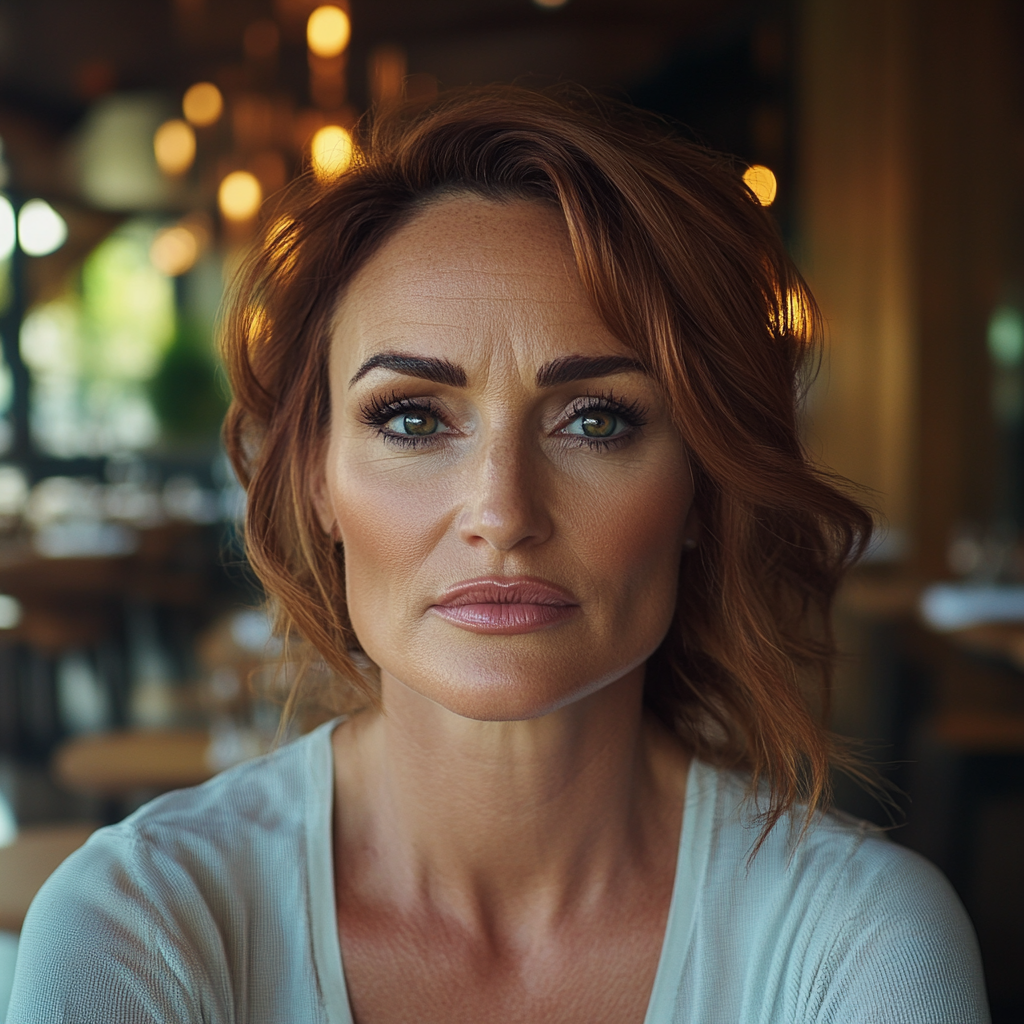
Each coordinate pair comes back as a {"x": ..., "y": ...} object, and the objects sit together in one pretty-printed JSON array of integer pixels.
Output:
[{"x": 320, "y": 495}]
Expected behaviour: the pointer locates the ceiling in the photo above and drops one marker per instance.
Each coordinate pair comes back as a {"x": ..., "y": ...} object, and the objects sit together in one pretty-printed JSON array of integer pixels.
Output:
[
  {"x": 687, "y": 58},
  {"x": 56, "y": 55}
]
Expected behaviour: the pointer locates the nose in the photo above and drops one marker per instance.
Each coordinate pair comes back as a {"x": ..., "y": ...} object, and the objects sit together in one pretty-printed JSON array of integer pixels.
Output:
[{"x": 506, "y": 502}]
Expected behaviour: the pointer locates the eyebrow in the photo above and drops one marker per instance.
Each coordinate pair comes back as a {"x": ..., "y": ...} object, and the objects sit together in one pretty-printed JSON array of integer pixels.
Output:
[
  {"x": 570, "y": 368},
  {"x": 440, "y": 371}
]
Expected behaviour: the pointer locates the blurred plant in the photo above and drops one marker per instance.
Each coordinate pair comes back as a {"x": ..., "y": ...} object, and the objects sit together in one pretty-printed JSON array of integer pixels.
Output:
[{"x": 188, "y": 391}]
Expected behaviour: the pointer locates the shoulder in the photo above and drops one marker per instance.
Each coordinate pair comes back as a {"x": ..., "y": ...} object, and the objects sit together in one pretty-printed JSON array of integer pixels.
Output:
[
  {"x": 264, "y": 794},
  {"x": 870, "y": 929},
  {"x": 169, "y": 906},
  {"x": 233, "y": 826}
]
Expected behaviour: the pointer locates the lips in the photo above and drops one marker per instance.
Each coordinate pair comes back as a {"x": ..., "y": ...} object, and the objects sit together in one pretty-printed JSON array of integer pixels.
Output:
[{"x": 506, "y": 605}]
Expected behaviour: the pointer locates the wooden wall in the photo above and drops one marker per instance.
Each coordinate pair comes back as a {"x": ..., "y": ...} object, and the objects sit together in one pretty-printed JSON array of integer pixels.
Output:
[{"x": 909, "y": 172}]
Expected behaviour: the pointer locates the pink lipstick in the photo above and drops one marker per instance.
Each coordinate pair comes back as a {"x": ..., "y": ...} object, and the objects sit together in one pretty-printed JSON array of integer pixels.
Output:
[{"x": 506, "y": 605}]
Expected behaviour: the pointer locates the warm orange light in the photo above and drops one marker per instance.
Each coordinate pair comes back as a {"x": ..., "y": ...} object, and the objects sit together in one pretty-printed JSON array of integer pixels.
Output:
[
  {"x": 239, "y": 196},
  {"x": 793, "y": 316},
  {"x": 332, "y": 150},
  {"x": 174, "y": 250},
  {"x": 280, "y": 243},
  {"x": 277, "y": 231},
  {"x": 328, "y": 31},
  {"x": 550, "y": 3},
  {"x": 761, "y": 181},
  {"x": 257, "y": 324},
  {"x": 174, "y": 145},
  {"x": 203, "y": 104}
]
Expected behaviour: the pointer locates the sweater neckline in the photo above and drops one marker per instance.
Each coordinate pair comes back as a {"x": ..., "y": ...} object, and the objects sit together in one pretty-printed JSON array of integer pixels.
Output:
[{"x": 691, "y": 867}]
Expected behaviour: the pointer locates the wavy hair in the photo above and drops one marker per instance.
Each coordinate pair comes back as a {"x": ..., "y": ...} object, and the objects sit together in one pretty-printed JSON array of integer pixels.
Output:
[{"x": 688, "y": 270}]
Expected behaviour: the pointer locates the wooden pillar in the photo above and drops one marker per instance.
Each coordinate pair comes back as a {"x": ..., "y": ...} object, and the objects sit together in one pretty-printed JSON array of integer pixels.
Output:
[
  {"x": 905, "y": 130},
  {"x": 964, "y": 134},
  {"x": 856, "y": 242}
]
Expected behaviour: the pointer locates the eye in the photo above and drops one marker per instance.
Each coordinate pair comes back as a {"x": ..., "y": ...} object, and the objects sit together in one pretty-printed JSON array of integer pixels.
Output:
[
  {"x": 415, "y": 423},
  {"x": 597, "y": 423}
]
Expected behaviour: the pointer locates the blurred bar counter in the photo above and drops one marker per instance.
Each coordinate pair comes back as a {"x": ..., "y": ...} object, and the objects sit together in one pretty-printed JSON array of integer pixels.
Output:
[
  {"x": 962, "y": 687},
  {"x": 110, "y": 641},
  {"x": 67, "y": 602}
]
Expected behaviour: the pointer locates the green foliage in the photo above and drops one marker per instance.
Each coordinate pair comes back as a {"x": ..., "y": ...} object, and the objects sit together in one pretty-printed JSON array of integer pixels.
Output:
[{"x": 188, "y": 391}]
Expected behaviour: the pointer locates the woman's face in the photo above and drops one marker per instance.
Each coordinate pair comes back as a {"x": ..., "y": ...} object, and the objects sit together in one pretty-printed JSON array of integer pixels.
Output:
[{"x": 511, "y": 495}]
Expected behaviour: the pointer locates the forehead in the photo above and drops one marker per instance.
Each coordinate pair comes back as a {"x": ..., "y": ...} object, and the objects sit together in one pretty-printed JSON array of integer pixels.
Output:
[{"x": 476, "y": 278}]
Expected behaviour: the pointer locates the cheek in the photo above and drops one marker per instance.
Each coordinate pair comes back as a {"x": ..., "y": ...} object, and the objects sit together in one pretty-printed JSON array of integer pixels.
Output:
[
  {"x": 629, "y": 534},
  {"x": 389, "y": 523}
]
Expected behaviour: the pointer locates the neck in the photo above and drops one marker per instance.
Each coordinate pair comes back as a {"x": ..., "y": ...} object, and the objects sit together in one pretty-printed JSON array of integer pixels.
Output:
[{"x": 500, "y": 814}]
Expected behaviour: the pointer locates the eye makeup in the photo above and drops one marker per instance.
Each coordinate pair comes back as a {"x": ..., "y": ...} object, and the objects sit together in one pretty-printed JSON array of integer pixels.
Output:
[
  {"x": 418, "y": 414},
  {"x": 605, "y": 422},
  {"x": 600, "y": 422}
]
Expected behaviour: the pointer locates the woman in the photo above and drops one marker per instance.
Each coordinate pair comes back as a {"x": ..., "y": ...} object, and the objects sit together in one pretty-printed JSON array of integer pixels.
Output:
[{"x": 515, "y": 408}]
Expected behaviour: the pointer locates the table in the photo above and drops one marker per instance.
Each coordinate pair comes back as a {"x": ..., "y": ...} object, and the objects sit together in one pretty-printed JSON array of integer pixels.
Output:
[
  {"x": 29, "y": 861},
  {"x": 116, "y": 764}
]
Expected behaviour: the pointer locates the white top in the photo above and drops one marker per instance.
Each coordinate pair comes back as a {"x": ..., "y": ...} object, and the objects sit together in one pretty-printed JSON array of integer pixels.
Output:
[{"x": 216, "y": 904}]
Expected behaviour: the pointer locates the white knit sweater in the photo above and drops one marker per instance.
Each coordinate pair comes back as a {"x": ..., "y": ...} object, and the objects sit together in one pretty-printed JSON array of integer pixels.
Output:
[{"x": 216, "y": 904}]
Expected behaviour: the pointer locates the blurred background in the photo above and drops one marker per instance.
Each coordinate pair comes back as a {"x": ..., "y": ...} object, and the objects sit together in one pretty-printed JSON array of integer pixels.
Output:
[{"x": 139, "y": 139}]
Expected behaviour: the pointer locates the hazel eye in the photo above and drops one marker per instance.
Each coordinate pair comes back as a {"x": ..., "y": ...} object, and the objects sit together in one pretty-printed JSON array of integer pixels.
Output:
[
  {"x": 416, "y": 423},
  {"x": 598, "y": 423}
]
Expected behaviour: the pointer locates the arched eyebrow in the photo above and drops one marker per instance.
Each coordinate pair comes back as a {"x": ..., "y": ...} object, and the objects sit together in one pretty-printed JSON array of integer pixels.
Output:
[
  {"x": 440, "y": 371},
  {"x": 560, "y": 371},
  {"x": 570, "y": 368}
]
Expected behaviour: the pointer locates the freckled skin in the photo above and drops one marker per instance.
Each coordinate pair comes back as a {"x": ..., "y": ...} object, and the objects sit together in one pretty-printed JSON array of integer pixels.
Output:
[
  {"x": 495, "y": 292},
  {"x": 506, "y": 831}
]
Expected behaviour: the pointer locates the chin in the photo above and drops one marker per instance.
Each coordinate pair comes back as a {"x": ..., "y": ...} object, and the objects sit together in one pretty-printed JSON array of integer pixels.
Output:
[
  {"x": 530, "y": 689},
  {"x": 502, "y": 700}
]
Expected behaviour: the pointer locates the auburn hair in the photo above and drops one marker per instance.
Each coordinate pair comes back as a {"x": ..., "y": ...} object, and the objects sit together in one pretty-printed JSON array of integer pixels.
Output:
[{"x": 688, "y": 270}]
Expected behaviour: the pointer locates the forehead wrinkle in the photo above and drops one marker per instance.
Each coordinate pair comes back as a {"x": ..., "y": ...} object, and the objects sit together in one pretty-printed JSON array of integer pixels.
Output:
[
  {"x": 478, "y": 298},
  {"x": 477, "y": 285}
]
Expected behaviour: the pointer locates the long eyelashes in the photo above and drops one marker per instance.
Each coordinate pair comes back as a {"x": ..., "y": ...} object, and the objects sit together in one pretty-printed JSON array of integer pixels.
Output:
[
  {"x": 632, "y": 414},
  {"x": 378, "y": 410}
]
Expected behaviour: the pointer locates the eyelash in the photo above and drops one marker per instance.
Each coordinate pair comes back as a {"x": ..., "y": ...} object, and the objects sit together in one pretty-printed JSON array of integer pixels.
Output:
[
  {"x": 632, "y": 413},
  {"x": 379, "y": 410}
]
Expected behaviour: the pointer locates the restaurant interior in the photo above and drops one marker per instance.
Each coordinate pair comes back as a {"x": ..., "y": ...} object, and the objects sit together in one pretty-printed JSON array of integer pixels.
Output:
[{"x": 139, "y": 142}]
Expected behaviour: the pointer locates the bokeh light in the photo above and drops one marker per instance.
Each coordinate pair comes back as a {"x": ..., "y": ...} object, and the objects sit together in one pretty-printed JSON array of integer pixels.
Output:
[
  {"x": 239, "y": 196},
  {"x": 1006, "y": 336},
  {"x": 8, "y": 229},
  {"x": 331, "y": 150},
  {"x": 10, "y": 611},
  {"x": 41, "y": 229},
  {"x": 761, "y": 181},
  {"x": 328, "y": 31},
  {"x": 550, "y": 3},
  {"x": 175, "y": 147},
  {"x": 174, "y": 250},
  {"x": 203, "y": 104}
]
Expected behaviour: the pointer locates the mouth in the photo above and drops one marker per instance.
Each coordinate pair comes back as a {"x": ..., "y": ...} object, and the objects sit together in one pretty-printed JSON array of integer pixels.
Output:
[{"x": 506, "y": 605}]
